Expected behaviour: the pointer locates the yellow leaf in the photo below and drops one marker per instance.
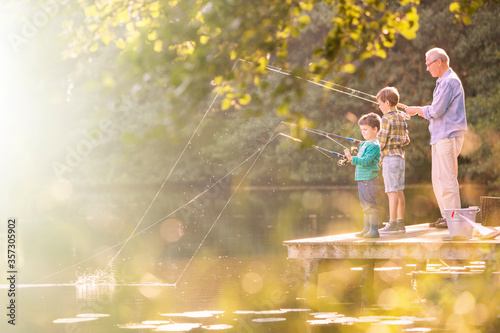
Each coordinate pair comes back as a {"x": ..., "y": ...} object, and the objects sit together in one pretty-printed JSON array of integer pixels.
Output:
[
  {"x": 454, "y": 7},
  {"x": 123, "y": 16},
  {"x": 106, "y": 39},
  {"x": 154, "y": 6},
  {"x": 245, "y": 99},
  {"x": 91, "y": 11},
  {"x": 349, "y": 68},
  {"x": 256, "y": 80},
  {"x": 381, "y": 53},
  {"x": 233, "y": 55},
  {"x": 204, "y": 39},
  {"x": 226, "y": 104},
  {"x": 130, "y": 26},
  {"x": 283, "y": 110},
  {"x": 218, "y": 80},
  {"x": 120, "y": 44},
  {"x": 306, "y": 6},
  {"x": 153, "y": 35},
  {"x": 158, "y": 46},
  {"x": 304, "y": 19},
  {"x": 94, "y": 47}
]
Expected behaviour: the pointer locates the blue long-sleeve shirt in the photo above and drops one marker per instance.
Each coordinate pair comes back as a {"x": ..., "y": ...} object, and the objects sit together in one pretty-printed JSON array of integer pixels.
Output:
[
  {"x": 446, "y": 114},
  {"x": 367, "y": 161}
]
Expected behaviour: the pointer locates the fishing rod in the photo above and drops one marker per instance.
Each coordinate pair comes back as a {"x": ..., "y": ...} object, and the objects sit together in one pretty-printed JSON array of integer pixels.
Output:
[
  {"x": 355, "y": 150},
  {"x": 342, "y": 158},
  {"x": 340, "y": 88}
]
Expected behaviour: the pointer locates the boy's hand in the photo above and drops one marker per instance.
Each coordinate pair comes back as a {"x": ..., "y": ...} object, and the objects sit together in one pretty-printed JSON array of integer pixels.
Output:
[{"x": 348, "y": 155}]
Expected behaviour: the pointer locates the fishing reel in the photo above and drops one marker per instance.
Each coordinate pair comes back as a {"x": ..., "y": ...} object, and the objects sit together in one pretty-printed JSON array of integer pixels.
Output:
[
  {"x": 342, "y": 161},
  {"x": 354, "y": 150}
]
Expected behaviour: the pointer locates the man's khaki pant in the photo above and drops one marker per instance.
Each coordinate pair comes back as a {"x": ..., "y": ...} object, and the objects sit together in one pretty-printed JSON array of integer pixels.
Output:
[{"x": 445, "y": 171}]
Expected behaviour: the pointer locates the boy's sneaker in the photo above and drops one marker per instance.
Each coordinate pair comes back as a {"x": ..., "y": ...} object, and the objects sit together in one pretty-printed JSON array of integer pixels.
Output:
[
  {"x": 401, "y": 226},
  {"x": 390, "y": 228}
]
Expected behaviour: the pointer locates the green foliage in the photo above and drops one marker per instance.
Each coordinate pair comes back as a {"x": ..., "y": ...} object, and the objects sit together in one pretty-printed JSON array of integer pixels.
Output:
[
  {"x": 152, "y": 69},
  {"x": 465, "y": 9},
  {"x": 190, "y": 43}
]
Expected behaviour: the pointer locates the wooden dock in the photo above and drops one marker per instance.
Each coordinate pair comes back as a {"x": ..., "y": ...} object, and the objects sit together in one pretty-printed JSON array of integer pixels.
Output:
[{"x": 419, "y": 244}]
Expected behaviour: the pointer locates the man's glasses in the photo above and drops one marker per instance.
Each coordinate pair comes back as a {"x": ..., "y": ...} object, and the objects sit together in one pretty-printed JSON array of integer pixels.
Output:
[{"x": 429, "y": 64}]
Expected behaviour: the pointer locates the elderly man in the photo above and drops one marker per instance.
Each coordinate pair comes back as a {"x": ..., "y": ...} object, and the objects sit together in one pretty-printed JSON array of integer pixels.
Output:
[{"x": 447, "y": 125}]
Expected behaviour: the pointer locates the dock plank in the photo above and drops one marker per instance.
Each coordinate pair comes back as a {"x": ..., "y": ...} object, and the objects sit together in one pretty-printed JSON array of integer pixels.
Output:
[{"x": 420, "y": 244}]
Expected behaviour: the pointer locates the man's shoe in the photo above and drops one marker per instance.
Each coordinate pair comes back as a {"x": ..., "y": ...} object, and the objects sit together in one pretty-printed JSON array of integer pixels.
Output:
[
  {"x": 440, "y": 223},
  {"x": 390, "y": 228}
]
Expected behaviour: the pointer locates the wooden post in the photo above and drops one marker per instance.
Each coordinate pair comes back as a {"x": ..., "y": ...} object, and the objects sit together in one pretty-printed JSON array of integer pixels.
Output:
[
  {"x": 490, "y": 211},
  {"x": 311, "y": 282},
  {"x": 421, "y": 265},
  {"x": 367, "y": 278}
]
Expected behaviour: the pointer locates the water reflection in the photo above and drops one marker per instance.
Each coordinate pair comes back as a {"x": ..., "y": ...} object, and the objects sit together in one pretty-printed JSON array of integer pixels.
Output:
[{"x": 241, "y": 280}]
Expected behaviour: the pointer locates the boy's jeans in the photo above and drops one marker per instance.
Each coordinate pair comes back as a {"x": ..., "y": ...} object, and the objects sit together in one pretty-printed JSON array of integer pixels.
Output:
[{"x": 367, "y": 190}]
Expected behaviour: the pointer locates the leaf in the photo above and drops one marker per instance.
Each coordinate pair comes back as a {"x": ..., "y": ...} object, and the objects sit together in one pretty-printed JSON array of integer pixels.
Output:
[
  {"x": 204, "y": 39},
  {"x": 245, "y": 99},
  {"x": 94, "y": 47},
  {"x": 120, "y": 44},
  {"x": 283, "y": 109},
  {"x": 304, "y": 19},
  {"x": 349, "y": 68},
  {"x": 454, "y": 7},
  {"x": 226, "y": 104},
  {"x": 153, "y": 35},
  {"x": 123, "y": 16},
  {"x": 91, "y": 11},
  {"x": 158, "y": 47}
]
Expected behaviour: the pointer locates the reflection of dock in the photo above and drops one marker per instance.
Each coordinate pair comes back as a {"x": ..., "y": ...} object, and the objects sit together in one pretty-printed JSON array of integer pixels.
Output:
[{"x": 419, "y": 244}]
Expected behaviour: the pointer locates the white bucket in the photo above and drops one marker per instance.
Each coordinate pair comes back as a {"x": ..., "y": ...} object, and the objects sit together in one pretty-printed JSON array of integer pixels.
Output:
[{"x": 457, "y": 226}]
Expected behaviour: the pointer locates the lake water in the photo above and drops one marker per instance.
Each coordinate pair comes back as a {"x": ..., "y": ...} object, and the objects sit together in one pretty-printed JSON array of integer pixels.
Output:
[{"x": 217, "y": 267}]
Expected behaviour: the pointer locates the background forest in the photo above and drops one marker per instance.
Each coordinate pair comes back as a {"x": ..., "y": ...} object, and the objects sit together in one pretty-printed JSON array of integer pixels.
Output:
[
  {"x": 81, "y": 115},
  {"x": 124, "y": 118}
]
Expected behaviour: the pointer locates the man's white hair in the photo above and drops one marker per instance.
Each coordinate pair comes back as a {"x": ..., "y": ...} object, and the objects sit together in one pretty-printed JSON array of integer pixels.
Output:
[{"x": 437, "y": 53}]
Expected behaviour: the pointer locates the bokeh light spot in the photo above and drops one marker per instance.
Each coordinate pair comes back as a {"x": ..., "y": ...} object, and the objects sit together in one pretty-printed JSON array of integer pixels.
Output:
[
  {"x": 171, "y": 230},
  {"x": 464, "y": 303},
  {"x": 150, "y": 291},
  {"x": 252, "y": 282}
]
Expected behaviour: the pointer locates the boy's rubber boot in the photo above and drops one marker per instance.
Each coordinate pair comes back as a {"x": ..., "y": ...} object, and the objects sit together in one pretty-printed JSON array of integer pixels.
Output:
[
  {"x": 366, "y": 227},
  {"x": 373, "y": 233}
]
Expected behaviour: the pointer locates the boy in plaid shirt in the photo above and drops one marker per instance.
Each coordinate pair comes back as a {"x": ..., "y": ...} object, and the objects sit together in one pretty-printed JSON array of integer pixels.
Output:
[
  {"x": 366, "y": 173},
  {"x": 392, "y": 137}
]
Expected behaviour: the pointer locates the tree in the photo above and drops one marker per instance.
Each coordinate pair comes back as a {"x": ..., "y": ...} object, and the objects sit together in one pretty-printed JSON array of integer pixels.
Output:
[{"x": 185, "y": 45}]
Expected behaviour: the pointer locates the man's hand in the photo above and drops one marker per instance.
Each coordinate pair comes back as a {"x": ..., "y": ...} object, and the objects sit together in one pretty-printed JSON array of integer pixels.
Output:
[{"x": 413, "y": 110}]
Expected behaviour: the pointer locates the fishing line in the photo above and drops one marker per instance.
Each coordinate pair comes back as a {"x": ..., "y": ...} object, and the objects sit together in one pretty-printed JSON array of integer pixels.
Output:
[
  {"x": 309, "y": 130},
  {"x": 170, "y": 173},
  {"x": 342, "y": 158},
  {"x": 170, "y": 214},
  {"x": 321, "y": 83},
  {"x": 350, "y": 91},
  {"x": 260, "y": 150},
  {"x": 124, "y": 243}
]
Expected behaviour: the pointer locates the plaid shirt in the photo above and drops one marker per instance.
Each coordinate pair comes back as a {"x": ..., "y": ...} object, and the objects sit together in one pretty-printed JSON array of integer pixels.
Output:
[{"x": 393, "y": 134}]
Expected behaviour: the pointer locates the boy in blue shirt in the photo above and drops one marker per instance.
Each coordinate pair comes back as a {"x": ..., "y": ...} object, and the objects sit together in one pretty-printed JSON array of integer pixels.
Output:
[{"x": 366, "y": 174}]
